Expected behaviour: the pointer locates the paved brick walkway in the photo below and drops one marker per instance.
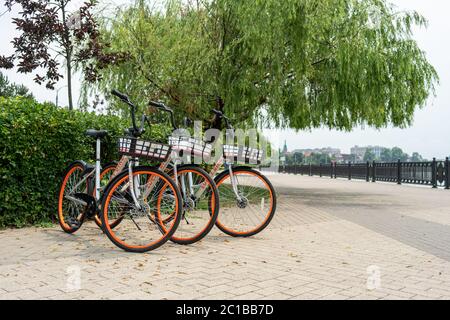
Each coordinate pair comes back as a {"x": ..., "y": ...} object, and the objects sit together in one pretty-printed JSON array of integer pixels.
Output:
[{"x": 330, "y": 239}]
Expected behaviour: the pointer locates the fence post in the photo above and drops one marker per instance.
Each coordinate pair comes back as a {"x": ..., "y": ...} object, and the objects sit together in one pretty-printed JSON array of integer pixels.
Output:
[
  {"x": 434, "y": 173},
  {"x": 349, "y": 170},
  {"x": 374, "y": 171},
  {"x": 399, "y": 172},
  {"x": 320, "y": 170},
  {"x": 447, "y": 172},
  {"x": 368, "y": 172}
]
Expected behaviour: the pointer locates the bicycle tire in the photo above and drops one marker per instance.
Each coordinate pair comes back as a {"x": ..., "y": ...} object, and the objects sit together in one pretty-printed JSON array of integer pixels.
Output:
[
  {"x": 114, "y": 184},
  {"x": 219, "y": 179},
  {"x": 67, "y": 226},
  {"x": 213, "y": 206},
  {"x": 106, "y": 169}
]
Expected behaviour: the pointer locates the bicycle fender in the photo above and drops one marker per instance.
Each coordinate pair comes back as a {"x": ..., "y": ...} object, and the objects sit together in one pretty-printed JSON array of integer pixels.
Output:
[
  {"x": 243, "y": 167},
  {"x": 81, "y": 162},
  {"x": 218, "y": 177}
]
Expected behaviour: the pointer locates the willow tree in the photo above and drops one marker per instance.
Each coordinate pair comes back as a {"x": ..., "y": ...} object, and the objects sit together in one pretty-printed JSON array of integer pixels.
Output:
[{"x": 291, "y": 63}]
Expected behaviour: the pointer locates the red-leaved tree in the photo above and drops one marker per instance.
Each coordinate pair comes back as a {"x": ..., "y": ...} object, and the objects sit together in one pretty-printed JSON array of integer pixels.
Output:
[{"x": 50, "y": 34}]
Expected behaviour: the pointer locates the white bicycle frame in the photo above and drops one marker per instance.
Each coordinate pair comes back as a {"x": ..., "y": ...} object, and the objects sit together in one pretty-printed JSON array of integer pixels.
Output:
[
  {"x": 203, "y": 186},
  {"x": 134, "y": 183},
  {"x": 134, "y": 187},
  {"x": 233, "y": 180},
  {"x": 183, "y": 188}
]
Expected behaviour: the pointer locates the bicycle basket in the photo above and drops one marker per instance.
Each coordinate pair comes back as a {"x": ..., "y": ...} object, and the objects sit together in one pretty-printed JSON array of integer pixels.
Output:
[
  {"x": 191, "y": 146},
  {"x": 243, "y": 154},
  {"x": 143, "y": 149}
]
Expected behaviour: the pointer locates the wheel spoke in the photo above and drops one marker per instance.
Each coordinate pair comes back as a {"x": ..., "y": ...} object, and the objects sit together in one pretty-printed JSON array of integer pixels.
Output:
[
  {"x": 140, "y": 228},
  {"x": 248, "y": 215}
]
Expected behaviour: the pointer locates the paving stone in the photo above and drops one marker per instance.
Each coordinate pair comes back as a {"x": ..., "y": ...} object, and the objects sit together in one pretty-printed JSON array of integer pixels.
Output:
[{"x": 325, "y": 238}]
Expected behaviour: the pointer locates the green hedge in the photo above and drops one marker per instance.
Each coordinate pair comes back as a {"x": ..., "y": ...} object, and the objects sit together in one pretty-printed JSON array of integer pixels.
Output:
[{"x": 37, "y": 142}]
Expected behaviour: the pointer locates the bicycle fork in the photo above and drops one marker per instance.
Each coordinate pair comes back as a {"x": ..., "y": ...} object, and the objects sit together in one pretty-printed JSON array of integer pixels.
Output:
[
  {"x": 233, "y": 180},
  {"x": 133, "y": 184},
  {"x": 133, "y": 181},
  {"x": 234, "y": 184}
]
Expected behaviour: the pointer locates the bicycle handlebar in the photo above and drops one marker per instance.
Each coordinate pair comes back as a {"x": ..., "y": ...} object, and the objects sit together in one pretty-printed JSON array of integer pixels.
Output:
[
  {"x": 221, "y": 115},
  {"x": 158, "y": 105},
  {"x": 163, "y": 107},
  {"x": 136, "y": 131},
  {"x": 120, "y": 95}
]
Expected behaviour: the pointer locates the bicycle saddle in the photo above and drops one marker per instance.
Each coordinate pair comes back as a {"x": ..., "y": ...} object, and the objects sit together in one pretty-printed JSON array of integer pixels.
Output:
[{"x": 96, "y": 133}]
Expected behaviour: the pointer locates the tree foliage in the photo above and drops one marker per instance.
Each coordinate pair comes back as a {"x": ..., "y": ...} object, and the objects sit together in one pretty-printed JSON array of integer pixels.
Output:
[
  {"x": 416, "y": 157},
  {"x": 369, "y": 155},
  {"x": 386, "y": 155},
  {"x": 294, "y": 158},
  {"x": 37, "y": 142},
  {"x": 398, "y": 154},
  {"x": 291, "y": 63},
  {"x": 8, "y": 89},
  {"x": 318, "y": 158}
]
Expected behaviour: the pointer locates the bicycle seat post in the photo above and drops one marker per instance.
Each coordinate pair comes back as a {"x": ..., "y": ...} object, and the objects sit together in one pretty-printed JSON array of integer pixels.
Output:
[{"x": 97, "y": 168}]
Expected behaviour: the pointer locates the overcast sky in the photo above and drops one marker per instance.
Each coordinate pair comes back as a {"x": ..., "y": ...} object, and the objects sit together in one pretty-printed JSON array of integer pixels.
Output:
[{"x": 429, "y": 135}]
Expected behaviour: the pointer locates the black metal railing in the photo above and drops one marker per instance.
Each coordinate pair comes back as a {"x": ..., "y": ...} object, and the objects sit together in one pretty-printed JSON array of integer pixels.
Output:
[{"x": 432, "y": 173}]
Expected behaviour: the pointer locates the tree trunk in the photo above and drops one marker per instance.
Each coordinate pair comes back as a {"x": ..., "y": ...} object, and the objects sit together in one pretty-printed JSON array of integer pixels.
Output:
[
  {"x": 69, "y": 82},
  {"x": 217, "y": 123},
  {"x": 68, "y": 49}
]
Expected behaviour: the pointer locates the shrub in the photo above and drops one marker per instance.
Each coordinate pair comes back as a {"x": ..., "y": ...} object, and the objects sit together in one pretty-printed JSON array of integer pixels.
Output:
[{"x": 37, "y": 142}]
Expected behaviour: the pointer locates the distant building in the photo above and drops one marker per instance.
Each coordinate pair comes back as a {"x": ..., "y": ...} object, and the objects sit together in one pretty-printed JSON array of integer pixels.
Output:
[
  {"x": 359, "y": 152},
  {"x": 285, "y": 149},
  {"x": 345, "y": 158},
  {"x": 283, "y": 154},
  {"x": 332, "y": 152}
]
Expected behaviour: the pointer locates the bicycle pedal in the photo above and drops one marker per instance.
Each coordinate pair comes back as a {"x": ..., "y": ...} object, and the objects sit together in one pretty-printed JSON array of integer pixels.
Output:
[
  {"x": 91, "y": 204},
  {"x": 91, "y": 212},
  {"x": 73, "y": 223}
]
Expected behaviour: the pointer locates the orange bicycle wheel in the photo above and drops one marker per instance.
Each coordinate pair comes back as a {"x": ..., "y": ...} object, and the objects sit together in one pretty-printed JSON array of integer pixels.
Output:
[
  {"x": 70, "y": 213},
  {"x": 252, "y": 211},
  {"x": 140, "y": 228},
  {"x": 200, "y": 209},
  {"x": 105, "y": 177}
]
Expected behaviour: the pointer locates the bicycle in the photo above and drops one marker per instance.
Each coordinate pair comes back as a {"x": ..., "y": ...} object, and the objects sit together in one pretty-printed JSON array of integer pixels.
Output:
[
  {"x": 128, "y": 201},
  {"x": 242, "y": 190},
  {"x": 248, "y": 199},
  {"x": 198, "y": 190}
]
